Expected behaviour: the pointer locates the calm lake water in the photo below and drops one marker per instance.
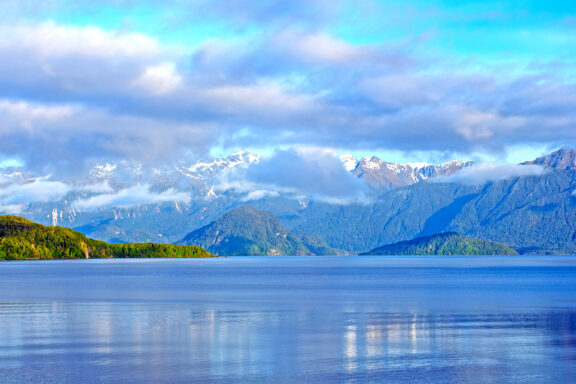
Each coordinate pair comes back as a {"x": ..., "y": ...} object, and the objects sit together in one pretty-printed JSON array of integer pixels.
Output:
[{"x": 290, "y": 320}]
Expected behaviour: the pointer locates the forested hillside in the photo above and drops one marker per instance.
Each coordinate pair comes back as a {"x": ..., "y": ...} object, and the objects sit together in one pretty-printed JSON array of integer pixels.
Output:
[
  {"x": 24, "y": 239},
  {"x": 444, "y": 244},
  {"x": 250, "y": 231}
]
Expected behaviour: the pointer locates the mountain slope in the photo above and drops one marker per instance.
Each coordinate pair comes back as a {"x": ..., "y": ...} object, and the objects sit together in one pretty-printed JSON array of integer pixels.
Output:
[
  {"x": 24, "y": 239},
  {"x": 532, "y": 212},
  {"x": 444, "y": 244},
  {"x": 250, "y": 231},
  {"x": 562, "y": 159}
]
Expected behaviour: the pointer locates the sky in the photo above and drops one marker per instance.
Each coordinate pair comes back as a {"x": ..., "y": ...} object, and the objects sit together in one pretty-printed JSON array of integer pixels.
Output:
[{"x": 158, "y": 82}]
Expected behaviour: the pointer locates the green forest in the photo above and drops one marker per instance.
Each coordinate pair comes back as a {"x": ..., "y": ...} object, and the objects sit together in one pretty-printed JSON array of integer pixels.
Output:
[
  {"x": 448, "y": 243},
  {"x": 22, "y": 239}
]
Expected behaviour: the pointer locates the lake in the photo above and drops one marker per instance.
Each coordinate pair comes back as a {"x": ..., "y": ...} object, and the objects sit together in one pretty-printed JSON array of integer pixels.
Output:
[{"x": 290, "y": 320}]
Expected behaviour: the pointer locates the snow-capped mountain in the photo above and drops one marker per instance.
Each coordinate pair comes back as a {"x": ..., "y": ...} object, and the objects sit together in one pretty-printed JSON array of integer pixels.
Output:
[
  {"x": 197, "y": 177},
  {"x": 103, "y": 171},
  {"x": 120, "y": 173},
  {"x": 200, "y": 176},
  {"x": 384, "y": 175},
  {"x": 200, "y": 170},
  {"x": 203, "y": 170}
]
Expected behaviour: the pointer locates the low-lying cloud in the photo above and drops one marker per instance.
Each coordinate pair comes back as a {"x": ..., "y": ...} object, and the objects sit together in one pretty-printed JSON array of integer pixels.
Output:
[
  {"x": 313, "y": 174},
  {"x": 129, "y": 197},
  {"x": 482, "y": 173},
  {"x": 17, "y": 194},
  {"x": 102, "y": 187},
  {"x": 39, "y": 191}
]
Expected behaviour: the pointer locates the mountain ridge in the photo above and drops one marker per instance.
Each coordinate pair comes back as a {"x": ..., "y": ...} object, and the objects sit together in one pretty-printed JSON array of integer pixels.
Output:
[
  {"x": 249, "y": 231},
  {"x": 383, "y": 175},
  {"x": 562, "y": 159}
]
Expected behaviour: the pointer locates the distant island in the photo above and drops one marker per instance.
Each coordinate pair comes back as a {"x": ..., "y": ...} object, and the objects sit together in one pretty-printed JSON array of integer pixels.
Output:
[
  {"x": 22, "y": 239},
  {"x": 449, "y": 243}
]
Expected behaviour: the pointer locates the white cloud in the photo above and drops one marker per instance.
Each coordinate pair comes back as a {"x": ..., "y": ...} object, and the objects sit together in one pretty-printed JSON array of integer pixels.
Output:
[
  {"x": 49, "y": 39},
  {"x": 478, "y": 174},
  {"x": 474, "y": 124},
  {"x": 321, "y": 46},
  {"x": 305, "y": 174},
  {"x": 63, "y": 138},
  {"x": 137, "y": 195},
  {"x": 57, "y": 61},
  {"x": 103, "y": 187},
  {"x": 39, "y": 191},
  {"x": 261, "y": 100},
  {"x": 259, "y": 194},
  {"x": 11, "y": 209},
  {"x": 95, "y": 93},
  {"x": 159, "y": 79},
  {"x": 29, "y": 116}
]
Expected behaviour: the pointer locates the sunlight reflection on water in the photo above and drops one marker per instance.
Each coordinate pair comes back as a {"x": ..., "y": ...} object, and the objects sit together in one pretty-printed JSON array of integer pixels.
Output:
[{"x": 317, "y": 320}]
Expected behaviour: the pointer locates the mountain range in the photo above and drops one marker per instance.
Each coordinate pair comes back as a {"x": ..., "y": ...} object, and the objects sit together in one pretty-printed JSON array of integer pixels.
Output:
[
  {"x": 533, "y": 213},
  {"x": 382, "y": 175}
]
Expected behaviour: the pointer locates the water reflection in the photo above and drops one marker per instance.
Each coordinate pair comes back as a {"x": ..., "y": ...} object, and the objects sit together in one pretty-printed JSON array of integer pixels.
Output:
[
  {"x": 289, "y": 320},
  {"x": 114, "y": 342}
]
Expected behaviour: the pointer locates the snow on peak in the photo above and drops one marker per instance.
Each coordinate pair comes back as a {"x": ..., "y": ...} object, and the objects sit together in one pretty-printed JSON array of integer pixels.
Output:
[
  {"x": 103, "y": 170},
  {"x": 206, "y": 169},
  {"x": 416, "y": 165},
  {"x": 211, "y": 193},
  {"x": 451, "y": 163},
  {"x": 243, "y": 156},
  {"x": 349, "y": 162},
  {"x": 382, "y": 174},
  {"x": 373, "y": 164}
]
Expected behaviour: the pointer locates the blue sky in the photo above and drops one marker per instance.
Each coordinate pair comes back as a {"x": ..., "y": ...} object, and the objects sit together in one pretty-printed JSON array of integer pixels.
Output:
[
  {"x": 408, "y": 80},
  {"x": 487, "y": 31}
]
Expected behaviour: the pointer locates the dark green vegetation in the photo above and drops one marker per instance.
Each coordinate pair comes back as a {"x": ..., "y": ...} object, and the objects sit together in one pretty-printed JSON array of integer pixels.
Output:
[
  {"x": 444, "y": 244},
  {"x": 24, "y": 239},
  {"x": 249, "y": 231}
]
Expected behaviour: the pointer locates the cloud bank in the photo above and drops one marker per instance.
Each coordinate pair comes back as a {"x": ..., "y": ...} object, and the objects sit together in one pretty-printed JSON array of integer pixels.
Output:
[
  {"x": 307, "y": 174},
  {"x": 482, "y": 173},
  {"x": 18, "y": 192},
  {"x": 268, "y": 75},
  {"x": 129, "y": 197},
  {"x": 14, "y": 197}
]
